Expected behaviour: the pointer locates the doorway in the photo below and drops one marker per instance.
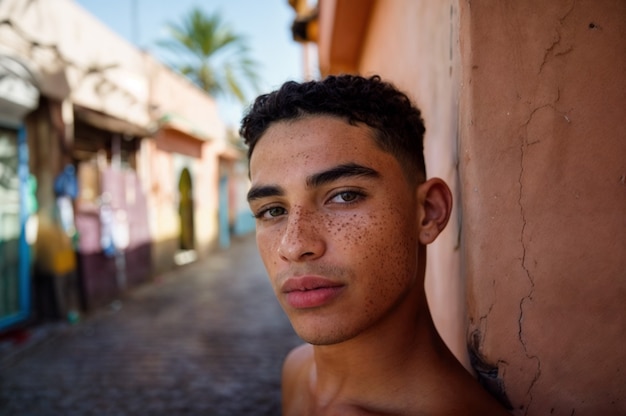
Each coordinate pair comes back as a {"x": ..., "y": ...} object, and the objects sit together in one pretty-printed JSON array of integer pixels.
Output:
[
  {"x": 14, "y": 250},
  {"x": 185, "y": 210}
]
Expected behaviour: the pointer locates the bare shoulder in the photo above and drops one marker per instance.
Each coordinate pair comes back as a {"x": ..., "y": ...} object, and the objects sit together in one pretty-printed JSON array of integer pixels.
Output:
[
  {"x": 296, "y": 364},
  {"x": 294, "y": 379},
  {"x": 299, "y": 355}
]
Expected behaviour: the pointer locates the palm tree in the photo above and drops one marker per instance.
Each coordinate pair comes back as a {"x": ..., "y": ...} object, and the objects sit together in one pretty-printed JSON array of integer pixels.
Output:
[{"x": 211, "y": 55}]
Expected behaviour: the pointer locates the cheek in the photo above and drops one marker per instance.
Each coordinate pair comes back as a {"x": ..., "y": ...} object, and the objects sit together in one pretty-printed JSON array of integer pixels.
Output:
[
  {"x": 382, "y": 238},
  {"x": 383, "y": 253},
  {"x": 267, "y": 248}
]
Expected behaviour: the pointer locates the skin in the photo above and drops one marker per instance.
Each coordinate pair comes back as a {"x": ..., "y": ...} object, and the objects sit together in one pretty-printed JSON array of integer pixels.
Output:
[{"x": 331, "y": 205}]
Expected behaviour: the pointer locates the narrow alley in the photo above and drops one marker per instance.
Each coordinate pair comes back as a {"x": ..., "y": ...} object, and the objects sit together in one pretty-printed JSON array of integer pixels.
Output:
[{"x": 207, "y": 339}]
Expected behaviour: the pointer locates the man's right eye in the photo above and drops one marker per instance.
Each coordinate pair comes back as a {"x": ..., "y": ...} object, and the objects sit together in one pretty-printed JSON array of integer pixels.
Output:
[{"x": 270, "y": 213}]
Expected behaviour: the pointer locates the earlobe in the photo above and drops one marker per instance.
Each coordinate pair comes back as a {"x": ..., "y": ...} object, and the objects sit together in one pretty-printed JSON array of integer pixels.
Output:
[{"x": 436, "y": 200}]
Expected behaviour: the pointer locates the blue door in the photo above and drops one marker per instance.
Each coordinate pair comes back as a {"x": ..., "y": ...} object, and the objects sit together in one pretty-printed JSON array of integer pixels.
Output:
[
  {"x": 224, "y": 223},
  {"x": 14, "y": 249}
]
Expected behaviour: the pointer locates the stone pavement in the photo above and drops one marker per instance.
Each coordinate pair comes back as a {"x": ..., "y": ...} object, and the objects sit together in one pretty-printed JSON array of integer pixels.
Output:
[{"x": 207, "y": 339}]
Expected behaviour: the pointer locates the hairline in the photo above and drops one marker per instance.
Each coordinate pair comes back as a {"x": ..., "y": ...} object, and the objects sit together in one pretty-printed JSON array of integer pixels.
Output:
[{"x": 376, "y": 135}]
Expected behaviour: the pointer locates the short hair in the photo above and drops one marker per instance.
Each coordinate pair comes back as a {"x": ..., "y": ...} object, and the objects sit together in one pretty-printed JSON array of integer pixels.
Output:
[{"x": 397, "y": 124}]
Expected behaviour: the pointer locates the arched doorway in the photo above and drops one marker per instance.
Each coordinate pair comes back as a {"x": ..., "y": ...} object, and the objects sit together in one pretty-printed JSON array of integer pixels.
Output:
[{"x": 185, "y": 210}]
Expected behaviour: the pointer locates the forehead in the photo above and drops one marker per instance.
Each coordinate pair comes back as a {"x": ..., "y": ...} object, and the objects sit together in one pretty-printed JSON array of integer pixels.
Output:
[{"x": 314, "y": 142}]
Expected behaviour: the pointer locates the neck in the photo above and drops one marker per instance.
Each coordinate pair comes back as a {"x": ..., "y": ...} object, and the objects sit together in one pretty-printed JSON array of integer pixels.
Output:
[{"x": 390, "y": 352}]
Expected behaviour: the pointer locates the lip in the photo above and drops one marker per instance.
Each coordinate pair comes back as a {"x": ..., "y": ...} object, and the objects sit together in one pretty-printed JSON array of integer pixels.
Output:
[{"x": 306, "y": 292}]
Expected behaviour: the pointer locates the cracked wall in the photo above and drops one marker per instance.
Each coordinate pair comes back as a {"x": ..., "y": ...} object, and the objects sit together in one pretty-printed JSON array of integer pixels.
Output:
[{"x": 542, "y": 151}]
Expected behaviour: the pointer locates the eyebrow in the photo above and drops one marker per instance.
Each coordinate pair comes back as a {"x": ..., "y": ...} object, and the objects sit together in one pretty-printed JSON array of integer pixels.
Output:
[
  {"x": 316, "y": 180},
  {"x": 258, "y": 192},
  {"x": 338, "y": 172}
]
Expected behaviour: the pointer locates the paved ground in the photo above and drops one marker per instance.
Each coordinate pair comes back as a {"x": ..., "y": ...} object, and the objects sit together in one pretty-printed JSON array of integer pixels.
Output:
[{"x": 208, "y": 339}]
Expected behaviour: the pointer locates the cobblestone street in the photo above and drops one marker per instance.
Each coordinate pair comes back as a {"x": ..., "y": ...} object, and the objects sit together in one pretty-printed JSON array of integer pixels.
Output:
[{"x": 207, "y": 339}]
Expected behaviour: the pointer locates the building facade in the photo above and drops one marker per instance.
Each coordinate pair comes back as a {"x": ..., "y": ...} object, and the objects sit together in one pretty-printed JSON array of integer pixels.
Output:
[{"x": 122, "y": 157}]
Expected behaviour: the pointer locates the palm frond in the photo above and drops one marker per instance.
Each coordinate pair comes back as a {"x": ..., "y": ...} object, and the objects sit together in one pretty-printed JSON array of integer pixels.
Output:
[{"x": 211, "y": 54}]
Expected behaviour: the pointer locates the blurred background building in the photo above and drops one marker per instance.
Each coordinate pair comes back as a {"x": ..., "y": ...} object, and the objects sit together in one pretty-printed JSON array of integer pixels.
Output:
[{"x": 118, "y": 166}]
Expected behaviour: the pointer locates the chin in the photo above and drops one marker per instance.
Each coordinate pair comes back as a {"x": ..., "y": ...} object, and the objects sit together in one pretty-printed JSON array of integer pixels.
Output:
[{"x": 319, "y": 336}]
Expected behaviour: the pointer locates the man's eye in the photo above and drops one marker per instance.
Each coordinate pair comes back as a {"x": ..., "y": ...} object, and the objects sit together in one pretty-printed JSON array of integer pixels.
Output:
[
  {"x": 346, "y": 197},
  {"x": 276, "y": 211},
  {"x": 271, "y": 213}
]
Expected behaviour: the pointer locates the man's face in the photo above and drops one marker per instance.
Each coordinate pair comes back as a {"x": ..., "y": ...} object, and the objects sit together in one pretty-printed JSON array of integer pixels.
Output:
[{"x": 337, "y": 226}]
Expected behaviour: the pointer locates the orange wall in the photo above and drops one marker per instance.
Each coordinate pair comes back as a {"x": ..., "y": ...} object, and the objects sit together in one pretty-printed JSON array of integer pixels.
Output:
[{"x": 543, "y": 159}]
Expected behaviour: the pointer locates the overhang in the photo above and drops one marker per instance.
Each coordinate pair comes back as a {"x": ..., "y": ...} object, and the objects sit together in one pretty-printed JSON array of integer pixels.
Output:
[
  {"x": 109, "y": 123},
  {"x": 176, "y": 134},
  {"x": 342, "y": 31},
  {"x": 172, "y": 121}
]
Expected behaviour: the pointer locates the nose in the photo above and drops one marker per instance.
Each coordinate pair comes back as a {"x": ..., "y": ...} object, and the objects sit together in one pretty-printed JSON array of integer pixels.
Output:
[{"x": 301, "y": 239}]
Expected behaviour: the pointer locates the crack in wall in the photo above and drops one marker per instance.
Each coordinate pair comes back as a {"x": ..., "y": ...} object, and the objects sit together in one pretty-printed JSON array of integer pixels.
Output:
[
  {"x": 490, "y": 375},
  {"x": 553, "y": 51},
  {"x": 529, "y": 296}
]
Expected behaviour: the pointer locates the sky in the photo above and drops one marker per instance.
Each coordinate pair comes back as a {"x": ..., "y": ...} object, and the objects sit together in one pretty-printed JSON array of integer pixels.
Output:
[{"x": 266, "y": 24}]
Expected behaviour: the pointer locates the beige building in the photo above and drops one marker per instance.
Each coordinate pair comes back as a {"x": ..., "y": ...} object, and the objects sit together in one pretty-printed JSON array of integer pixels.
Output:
[
  {"x": 146, "y": 147},
  {"x": 523, "y": 104}
]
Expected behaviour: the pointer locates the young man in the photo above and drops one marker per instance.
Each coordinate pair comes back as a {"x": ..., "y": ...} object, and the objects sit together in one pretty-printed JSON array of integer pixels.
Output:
[{"x": 344, "y": 214}]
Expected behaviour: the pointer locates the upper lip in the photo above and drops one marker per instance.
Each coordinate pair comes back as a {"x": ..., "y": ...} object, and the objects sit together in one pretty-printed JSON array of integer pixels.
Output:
[{"x": 303, "y": 283}]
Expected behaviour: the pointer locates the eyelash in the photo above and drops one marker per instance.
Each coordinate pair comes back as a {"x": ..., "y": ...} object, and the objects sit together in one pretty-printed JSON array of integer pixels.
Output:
[
  {"x": 260, "y": 215},
  {"x": 357, "y": 195}
]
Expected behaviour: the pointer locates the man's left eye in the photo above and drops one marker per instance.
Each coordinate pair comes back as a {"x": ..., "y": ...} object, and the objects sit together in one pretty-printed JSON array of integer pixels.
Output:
[{"x": 345, "y": 197}]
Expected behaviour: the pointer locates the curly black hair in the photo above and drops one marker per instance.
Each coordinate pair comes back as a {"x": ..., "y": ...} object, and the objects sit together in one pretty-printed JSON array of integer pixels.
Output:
[{"x": 397, "y": 123}]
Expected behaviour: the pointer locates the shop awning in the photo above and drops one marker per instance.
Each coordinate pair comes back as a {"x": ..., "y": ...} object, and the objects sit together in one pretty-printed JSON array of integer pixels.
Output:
[{"x": 110, "y": 123}]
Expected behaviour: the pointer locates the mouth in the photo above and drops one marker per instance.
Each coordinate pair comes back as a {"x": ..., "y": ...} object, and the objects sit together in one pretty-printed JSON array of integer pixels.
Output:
[{"x": 310, "y": 291}]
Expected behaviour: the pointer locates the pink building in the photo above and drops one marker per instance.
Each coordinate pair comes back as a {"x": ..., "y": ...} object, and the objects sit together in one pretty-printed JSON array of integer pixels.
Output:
[{"x": 145, "y": 147}]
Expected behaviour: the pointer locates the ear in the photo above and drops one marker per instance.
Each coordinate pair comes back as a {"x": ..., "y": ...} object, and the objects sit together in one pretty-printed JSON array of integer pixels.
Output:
[{"x": 436, "y": 200}]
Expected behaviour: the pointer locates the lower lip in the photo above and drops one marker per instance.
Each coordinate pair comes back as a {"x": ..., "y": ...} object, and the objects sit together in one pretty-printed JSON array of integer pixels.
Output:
[{"x": 303, "y": 299}]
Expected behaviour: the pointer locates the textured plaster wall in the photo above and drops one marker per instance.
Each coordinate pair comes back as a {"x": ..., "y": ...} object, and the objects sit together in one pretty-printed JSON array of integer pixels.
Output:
[
  {"x": 543, "y": 167},
  {"x": 414, "y": 44}
]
